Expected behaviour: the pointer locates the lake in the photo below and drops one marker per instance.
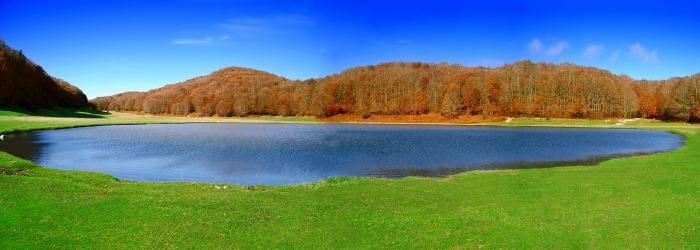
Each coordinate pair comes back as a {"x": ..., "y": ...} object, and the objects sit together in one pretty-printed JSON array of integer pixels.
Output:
[{"x": 296, "y": 153}]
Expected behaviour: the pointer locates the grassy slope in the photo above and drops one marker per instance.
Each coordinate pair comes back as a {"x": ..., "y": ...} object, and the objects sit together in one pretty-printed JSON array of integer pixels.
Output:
[
  {"x": 638, "y": 202},
  {"x": 12, "y": 121}
]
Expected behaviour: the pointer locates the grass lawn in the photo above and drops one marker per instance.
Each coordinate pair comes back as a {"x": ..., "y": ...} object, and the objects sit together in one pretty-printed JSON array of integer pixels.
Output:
[{"x": 647, "y": 201}]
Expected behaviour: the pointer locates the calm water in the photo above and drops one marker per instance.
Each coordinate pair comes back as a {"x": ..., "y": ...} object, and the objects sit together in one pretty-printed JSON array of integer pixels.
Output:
[{"x": 294, "y": 153}]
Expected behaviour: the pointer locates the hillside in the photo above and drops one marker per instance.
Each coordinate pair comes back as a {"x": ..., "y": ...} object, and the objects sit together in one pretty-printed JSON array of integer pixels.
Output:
[
  {"x": 24, "y": 84},
  {"x": 520, "y": 89}
]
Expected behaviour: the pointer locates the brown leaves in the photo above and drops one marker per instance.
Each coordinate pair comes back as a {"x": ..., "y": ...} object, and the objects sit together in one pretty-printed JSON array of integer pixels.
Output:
[
  {"x": 520, "y": 89},
  {"x": 25, "y": 84}
]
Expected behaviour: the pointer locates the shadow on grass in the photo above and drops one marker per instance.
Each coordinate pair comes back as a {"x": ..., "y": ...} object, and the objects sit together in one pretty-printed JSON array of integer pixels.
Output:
[{"x": 85, "y": 112}]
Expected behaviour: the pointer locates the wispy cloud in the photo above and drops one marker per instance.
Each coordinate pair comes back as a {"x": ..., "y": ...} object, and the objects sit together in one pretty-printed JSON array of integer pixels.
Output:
[
  {"x": 402, "y": 41},
  {"x": 247, "y": 27},
  {"x": 557, "y": 48},
  {"x": 191, "y": 41},
  {"x": 592, "y": 51},
  {"x": 537, "y": 47},
  {"x": 648, "y": 56},
  {"x": 199, "y": 41},
  {"x": 266, "y": 24},
  {"x": 615, "y": 56}
]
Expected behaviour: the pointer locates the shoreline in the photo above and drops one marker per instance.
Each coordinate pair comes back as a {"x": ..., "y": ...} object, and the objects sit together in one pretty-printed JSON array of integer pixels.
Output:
[
  {"x": 403, "y": 120},
  {"x": 592, "y": 161},
  {"x": 163, "y": 119},
  {"x": 90, "y": 204}
]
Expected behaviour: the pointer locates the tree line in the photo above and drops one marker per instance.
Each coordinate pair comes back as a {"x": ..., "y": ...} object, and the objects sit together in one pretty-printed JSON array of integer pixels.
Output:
[
  {"x": 403, "y": 88},
  {"x": 25, "y": 84}
]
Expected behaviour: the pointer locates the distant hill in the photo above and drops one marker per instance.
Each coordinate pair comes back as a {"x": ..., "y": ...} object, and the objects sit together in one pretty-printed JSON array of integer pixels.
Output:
[
  {"x": 229, "y": 91},
  {"x": 24, "y": 84},
  {"x": 404, "y": 88}
]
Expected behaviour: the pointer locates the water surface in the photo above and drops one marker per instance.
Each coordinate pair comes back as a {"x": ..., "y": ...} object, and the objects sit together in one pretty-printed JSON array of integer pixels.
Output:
[{"x": 295, "y": 153}]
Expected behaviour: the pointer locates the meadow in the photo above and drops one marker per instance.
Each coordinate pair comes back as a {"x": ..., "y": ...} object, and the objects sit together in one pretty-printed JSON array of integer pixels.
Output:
[{"x": 649, "y": 201}]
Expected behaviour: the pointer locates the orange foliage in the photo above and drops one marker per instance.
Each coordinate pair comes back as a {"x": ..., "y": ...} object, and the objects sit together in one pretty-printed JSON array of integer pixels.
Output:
[
  {"x": 649, "y": 105},
  {"x": 25, "y": 84},
  {"x": 399, "y": 89}
]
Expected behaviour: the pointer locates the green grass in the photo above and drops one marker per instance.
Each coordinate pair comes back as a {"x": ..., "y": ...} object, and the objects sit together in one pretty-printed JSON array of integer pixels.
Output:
[
  {"x": 647, "y": 201},
  {"x": 610, "y": 123},
  {"x": 12, "y": 112},
  {"x": 14, "y": 120},
  {"x": 55, "y": 112}
]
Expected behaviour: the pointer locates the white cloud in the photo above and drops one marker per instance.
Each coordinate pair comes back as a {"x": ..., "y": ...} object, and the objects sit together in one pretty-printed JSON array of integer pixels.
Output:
[
  {"x": 556, "y": 49},
  {"x": 638, "y": 51},
  {"x": 199, "y": 41},
  {"x": 592, "y": 51},
  {"x": 537, "y": 47},
  {"x": 402, "y": 41}
]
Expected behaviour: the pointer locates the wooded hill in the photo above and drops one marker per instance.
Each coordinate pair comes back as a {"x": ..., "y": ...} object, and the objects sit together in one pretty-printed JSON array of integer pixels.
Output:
[
  {"x": 24, "y": 84},
  {"x": 400, "y": 88}
]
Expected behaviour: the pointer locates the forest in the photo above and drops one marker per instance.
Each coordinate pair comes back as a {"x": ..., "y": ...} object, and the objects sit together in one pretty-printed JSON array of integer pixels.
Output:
[
  {"x": 523, "y": 89},
  {"x": 24, "y": 84}
]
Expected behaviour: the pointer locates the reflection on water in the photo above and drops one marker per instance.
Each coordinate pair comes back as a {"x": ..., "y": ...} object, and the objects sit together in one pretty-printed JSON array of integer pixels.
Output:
[
  {"x": 295, "y": 153},
  {"x": 23, "y": 145}
]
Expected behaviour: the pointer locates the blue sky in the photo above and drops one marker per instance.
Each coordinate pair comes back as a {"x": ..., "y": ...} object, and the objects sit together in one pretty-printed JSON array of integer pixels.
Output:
[{"x": 106, "y": 47}]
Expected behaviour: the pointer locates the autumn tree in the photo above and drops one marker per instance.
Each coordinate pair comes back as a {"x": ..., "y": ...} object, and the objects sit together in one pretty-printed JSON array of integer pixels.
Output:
[
  {"x": 649, "y": 105},
  {"x": 25, "y": 84},
  {"x": 520, "y": 89},
  {"x": 493, "y": 96}
]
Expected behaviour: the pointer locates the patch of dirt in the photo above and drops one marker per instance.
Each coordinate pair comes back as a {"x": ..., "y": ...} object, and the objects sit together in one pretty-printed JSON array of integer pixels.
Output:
[
  {"x": 21, "y": 171},
  {"x": 427, "y": 118}
]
